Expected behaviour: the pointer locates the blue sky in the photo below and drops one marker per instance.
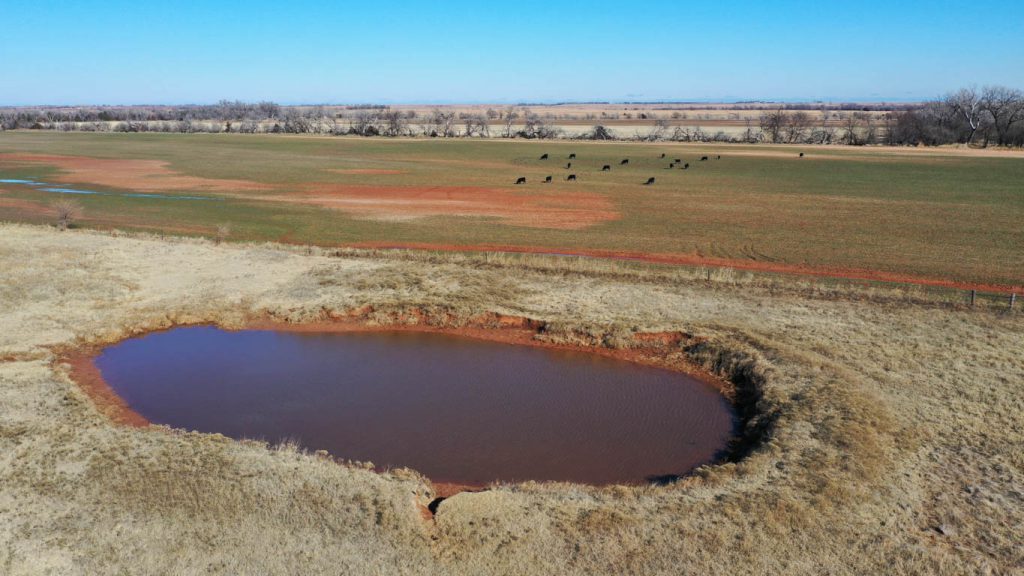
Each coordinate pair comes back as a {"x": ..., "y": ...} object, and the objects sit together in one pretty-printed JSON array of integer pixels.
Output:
[{"x": 92, "y": 52}]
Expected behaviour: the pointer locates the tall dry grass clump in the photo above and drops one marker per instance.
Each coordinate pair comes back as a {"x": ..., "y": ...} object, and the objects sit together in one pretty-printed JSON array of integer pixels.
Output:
[{"x": 222, "y": 233}]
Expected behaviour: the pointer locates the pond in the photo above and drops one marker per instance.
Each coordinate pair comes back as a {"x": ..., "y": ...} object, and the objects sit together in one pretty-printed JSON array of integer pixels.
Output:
[{"x": 456, "y": 409}]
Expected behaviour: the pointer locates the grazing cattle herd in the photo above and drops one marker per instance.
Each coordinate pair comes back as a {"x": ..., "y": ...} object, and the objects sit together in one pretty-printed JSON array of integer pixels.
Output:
[{"x": 623, "y": 162}]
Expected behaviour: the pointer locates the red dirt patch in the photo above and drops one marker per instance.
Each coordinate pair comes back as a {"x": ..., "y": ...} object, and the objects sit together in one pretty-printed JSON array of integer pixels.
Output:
[
  {"x": 26, "y": 207},
  {"x": 368, "y": 171},
  {"x": 563, "y": 210},
  {"x": 697, "y": 260},
  {"x": 89, "y": 379},
  {"x": 142, "y": 175},
  {"x": 449, "y": 489}
]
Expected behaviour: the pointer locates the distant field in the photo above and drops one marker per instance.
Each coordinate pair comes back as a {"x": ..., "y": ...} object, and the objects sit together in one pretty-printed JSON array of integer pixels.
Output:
[{"x": 940, "y": 215}]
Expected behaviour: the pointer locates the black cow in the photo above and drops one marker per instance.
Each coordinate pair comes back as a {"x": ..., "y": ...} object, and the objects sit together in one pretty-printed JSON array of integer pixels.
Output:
[
  {"x": 719, "y": 157},
  {"x": 544, "y": 156},
  {"x": 571, "y": 178},
  {"x": 678, "y": 160},
  {"x": 521, "y": 180},
  {"x": 801, "y": 154},
  {"x": 572, "y": 156},
  {"x": 568, "y": 165},
  {"x": 624, "y": 161},
  {"x": 662, "y": 154},
  {"x": 649, "y": 181},
  {"x": 703, "y": 158},
  {"x": 605, "y": 168},
  {"x": 547, "y": 180},
  {"x": 671, "y": 165},
  {"x": 686, "y": 166}
]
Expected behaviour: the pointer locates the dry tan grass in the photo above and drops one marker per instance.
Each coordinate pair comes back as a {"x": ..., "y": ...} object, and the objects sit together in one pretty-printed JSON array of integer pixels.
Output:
[{"x": 890, "y": 417}]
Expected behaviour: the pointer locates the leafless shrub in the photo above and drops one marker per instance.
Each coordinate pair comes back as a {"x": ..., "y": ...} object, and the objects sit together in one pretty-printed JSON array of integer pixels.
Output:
[{"x": 66, "y": 211}]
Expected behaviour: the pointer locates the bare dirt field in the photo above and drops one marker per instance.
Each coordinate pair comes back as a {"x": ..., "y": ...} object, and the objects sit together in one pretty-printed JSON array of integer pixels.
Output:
[{"x": 883, "y": 429}]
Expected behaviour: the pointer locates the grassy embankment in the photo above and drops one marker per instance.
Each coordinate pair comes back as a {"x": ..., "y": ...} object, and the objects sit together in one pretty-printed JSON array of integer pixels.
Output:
[{"x": 894, "y": 445}]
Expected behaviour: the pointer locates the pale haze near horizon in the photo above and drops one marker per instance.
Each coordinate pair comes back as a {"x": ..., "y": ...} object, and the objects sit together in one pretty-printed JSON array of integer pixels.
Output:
[{"x": 64, "y": 53}]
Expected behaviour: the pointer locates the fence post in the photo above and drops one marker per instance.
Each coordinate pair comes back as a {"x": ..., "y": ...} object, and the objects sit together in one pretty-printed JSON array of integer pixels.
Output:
[{"x": 974, "y": 293}]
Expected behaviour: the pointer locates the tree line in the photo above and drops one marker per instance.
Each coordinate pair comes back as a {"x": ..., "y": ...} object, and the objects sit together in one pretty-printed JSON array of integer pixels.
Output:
[{"x": 993, "y": 115}]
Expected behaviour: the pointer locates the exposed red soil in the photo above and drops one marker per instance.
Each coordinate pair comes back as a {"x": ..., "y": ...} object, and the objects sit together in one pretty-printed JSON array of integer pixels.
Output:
[
  {"x": 141, "y": 175},
  {"x": 563, "y": 210},
  {"x": 367, "y": 171},
  {"x": 89, "y": 379},
  {"x": 26, "y": 207},
  {"x": 697, "y": 260},
  {"x": 448, "y": 489}
]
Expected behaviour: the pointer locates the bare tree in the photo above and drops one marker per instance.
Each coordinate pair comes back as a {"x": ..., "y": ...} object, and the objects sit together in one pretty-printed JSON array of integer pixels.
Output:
[
  {"x": 509, "y": 119},
  {"x": 868, "y": 126},
  {"x": 600, "y": 133},
  {"x": 849, "y": 123},
  {"x": 268, "y": 110},
  {"x": 825, "y": 133},
  {"x": 796, "y": 126},
  {"x": 394, "y": 122},
  {"x": 748, "y": 133},
  {"x": 657, "y": 131},
  {"x": 475, "y": 125},
  {"x": 1005, "y": 107},
  {"x": 537, "y": 127},
  {"x": 966, "y": 103},
  {"x": 66, "y": 211},
  {"x": 445, "y": 122},
  {"x": 858, "y": 129},
  {"x": 772, "y": 123},
  {"x": 364, "y": 123}
]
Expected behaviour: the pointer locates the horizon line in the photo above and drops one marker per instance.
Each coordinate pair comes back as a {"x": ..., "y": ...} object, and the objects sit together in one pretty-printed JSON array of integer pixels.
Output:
[{"x": 504, "y": 103}]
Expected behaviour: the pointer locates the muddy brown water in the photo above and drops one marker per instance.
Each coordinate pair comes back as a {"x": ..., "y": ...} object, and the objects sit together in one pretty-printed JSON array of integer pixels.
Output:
[{"x": 456, "y": 409}]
